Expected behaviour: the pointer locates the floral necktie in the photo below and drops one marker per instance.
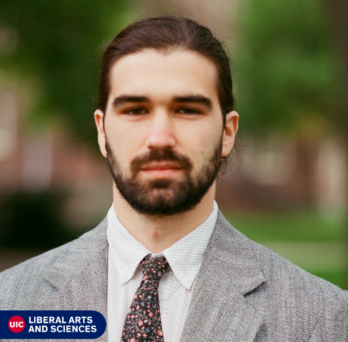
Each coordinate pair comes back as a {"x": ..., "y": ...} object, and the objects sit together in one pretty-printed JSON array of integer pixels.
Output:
[{"x": 143, "y": 321}]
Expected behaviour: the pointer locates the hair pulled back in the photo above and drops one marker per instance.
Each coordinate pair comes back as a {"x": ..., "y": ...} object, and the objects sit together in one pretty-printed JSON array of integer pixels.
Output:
[{"x": 162, "y": 33}]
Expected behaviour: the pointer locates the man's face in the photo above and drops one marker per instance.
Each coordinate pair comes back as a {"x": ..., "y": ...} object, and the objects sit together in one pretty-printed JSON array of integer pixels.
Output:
[{"x": 163, "y": 130}]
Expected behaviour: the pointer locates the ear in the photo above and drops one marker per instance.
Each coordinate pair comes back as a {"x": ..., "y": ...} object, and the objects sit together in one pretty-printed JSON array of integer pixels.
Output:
[
  {"x": 230, "y": 131},
  {"x": 99, "y": 122}
]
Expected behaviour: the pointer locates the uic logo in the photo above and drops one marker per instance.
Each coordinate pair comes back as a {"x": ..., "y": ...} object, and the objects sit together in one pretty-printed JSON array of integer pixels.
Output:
[{"x": 16, "y": 324}]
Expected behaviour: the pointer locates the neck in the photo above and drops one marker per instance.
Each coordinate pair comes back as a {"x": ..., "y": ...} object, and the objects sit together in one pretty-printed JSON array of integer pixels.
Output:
[{"x": 159, "y": 233}]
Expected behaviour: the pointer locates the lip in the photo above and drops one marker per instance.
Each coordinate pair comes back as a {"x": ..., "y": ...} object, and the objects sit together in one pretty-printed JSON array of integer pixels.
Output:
[
  {"x": 161, "y": 170},
  {"x": 161, "y": 166}
]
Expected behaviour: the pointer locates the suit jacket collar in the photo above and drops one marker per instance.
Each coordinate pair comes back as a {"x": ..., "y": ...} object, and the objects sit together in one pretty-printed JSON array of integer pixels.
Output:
[{"x": 218, "y": 310}]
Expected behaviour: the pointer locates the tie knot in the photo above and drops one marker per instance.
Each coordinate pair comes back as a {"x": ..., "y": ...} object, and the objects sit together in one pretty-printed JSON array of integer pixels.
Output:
[{"x": 154, "y": 268}]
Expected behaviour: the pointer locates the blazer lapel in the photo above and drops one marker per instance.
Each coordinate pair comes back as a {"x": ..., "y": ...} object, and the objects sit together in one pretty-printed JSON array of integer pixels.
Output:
[
  {"x": 218, "y": 310},
  {"x": 79, "y": 281}
]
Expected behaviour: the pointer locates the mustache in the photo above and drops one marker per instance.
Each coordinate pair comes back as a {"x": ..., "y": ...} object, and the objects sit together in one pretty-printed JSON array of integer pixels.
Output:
[{"x": 161, "y": 155}]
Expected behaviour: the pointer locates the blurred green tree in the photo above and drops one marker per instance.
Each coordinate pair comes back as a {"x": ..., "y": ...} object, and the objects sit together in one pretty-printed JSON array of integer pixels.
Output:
[
  {"x": 292, "y": 69},
  {"x": 287, "y": 69},
  {"x": 338, "y": 11},
  {"x": 55, "y": 44}
]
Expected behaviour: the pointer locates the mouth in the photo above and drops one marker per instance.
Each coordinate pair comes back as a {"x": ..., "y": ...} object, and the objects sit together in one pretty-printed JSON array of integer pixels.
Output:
[{"x": 161, "y": 169}]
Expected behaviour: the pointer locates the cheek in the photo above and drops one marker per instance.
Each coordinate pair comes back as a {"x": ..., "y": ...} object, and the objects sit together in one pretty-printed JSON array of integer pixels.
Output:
[
  {"x": 210, "y": 138},
  {"x": 202, "y": 146},
  {"x": 122, "y": 141}
]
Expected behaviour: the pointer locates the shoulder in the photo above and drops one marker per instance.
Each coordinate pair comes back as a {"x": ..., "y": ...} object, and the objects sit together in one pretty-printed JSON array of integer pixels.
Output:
[
  {"x": 295, "y": 285},
  {"x": 289, "y": 278},
  {"x": 290, "y": 298},
  {"x": 20, "y": 282},
  {"x": 308, "y": 305}
]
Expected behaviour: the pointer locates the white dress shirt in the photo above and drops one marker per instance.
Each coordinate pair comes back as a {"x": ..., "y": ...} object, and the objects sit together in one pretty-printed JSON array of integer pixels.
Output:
[{"x": 175, "y": 287}]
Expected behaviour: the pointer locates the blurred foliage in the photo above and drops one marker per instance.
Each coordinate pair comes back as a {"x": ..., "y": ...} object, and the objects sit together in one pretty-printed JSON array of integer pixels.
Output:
[
  {"x": 299, "y": 226},
  {"x": 55, "y": 46},
  {"x": 334, "y": 277},
  {"x": 33, "y": 220},
  {"x": 287, "y": 66}
]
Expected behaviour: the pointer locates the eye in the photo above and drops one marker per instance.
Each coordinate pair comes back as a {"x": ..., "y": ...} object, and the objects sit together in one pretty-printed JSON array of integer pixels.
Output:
[
  {"x": 136, "y": 111},
  {"x": 187, "y": 110}
]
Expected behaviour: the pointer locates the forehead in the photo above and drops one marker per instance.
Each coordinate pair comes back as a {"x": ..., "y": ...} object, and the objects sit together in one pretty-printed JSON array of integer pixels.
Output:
[{"x": 163, "y": 74}]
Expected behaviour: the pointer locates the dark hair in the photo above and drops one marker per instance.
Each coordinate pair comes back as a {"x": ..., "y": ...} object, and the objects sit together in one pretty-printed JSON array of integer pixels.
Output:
[{"x": 165, "y": 32}]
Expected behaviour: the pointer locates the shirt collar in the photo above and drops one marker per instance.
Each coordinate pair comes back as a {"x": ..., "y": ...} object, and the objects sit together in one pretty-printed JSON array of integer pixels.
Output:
[{"x": 184, "y": 257}]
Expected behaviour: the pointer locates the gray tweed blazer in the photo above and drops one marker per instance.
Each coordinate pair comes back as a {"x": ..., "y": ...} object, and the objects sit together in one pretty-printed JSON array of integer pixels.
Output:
[{"x": 244, "y": 292}]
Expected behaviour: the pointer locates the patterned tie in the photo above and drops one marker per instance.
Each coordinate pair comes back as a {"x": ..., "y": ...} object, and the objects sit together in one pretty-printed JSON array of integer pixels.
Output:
[{"x": 143, "y": 321}]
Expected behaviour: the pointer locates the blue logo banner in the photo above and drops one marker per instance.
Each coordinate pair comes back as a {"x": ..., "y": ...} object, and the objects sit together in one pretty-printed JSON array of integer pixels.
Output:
[{"x": 51, "y": 324}]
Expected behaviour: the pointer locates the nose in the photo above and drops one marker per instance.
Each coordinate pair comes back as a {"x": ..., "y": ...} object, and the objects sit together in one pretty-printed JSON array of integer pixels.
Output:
[{"x": 161, "y": 132}]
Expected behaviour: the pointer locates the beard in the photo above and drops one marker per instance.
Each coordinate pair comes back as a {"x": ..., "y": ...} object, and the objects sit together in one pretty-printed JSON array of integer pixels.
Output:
[{"x": 164, "y": 197}]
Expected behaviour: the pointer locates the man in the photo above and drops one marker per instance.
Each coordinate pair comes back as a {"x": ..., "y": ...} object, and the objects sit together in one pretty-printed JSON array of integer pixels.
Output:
[{"x": 165, "y": 265}]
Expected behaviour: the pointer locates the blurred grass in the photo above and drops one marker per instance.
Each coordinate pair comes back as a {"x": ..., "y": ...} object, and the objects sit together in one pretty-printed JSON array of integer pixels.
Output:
[
  {"x": 288, "y": 227},
  {"x": 308, "y": 239}
]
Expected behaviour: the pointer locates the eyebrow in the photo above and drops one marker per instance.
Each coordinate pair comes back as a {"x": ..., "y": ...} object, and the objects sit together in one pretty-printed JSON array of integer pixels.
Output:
[
  {"x": 129, "y": 98},
  {"x": 195, "y": 99},
  {"x": 120, "y": 100}
]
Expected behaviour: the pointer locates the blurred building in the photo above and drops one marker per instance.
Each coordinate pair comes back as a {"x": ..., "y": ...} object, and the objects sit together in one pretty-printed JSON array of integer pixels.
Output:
[
  {"x": 279, "y": 173},
  {"x": 49, "y": 160}
]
